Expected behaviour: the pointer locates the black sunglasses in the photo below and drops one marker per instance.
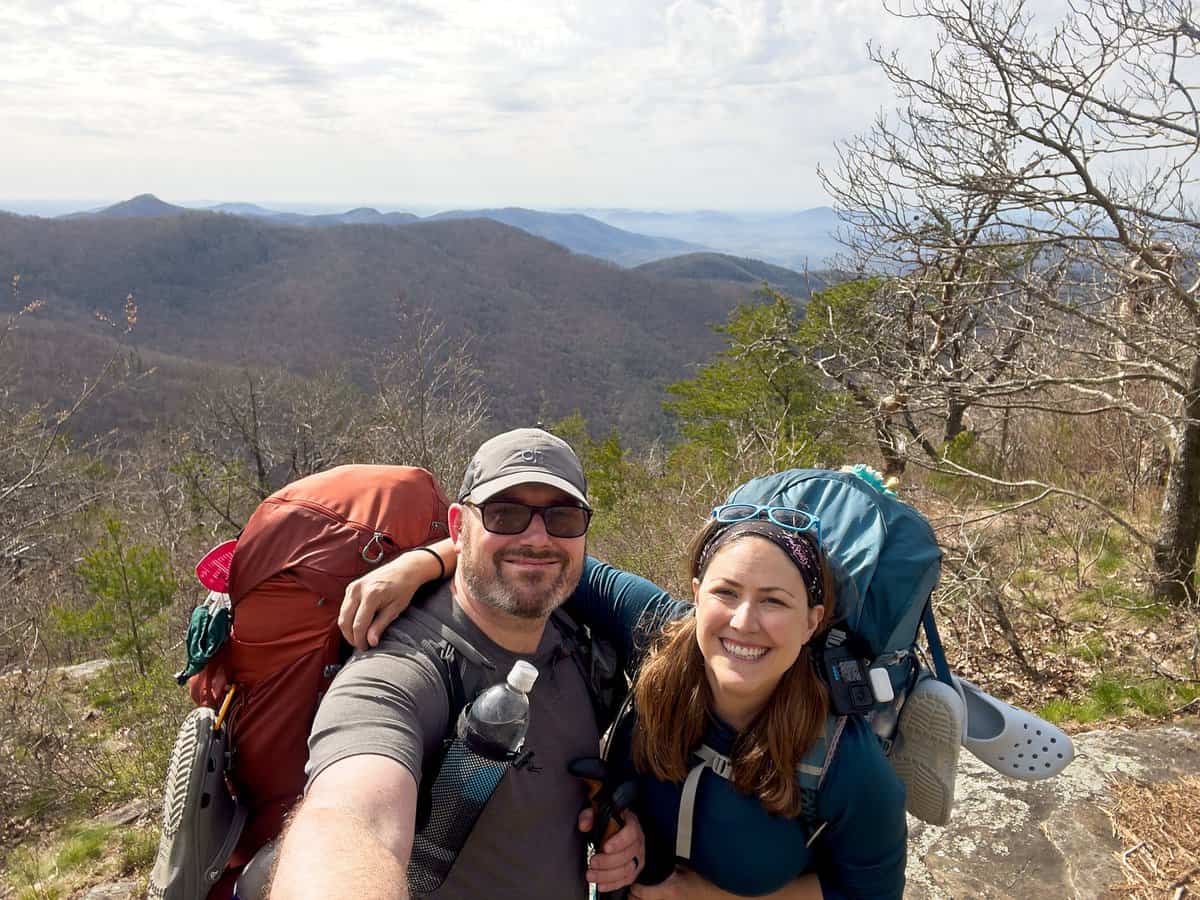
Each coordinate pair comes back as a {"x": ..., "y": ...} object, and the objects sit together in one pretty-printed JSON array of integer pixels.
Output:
[{"x": 511, "y": 517}]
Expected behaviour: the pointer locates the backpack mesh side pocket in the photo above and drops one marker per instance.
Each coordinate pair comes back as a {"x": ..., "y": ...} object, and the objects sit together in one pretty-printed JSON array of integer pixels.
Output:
[{"x": 464, "y": 784}]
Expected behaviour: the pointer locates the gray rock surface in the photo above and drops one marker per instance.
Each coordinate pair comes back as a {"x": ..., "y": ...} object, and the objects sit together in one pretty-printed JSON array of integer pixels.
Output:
[
  {"x": 86, "y": 671},
  {"x": 114, "y": 890},
  {"x": 1046, "y": 839},
  {"x": 127, "y": 814}
]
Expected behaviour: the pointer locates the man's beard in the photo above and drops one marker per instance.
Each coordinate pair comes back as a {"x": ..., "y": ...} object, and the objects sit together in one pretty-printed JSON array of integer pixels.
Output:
[{"x": 526, "y": 597}]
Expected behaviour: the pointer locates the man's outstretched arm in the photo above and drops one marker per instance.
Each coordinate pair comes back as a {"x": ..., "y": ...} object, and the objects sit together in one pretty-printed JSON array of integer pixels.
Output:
[{"x": 352, "y": 834}]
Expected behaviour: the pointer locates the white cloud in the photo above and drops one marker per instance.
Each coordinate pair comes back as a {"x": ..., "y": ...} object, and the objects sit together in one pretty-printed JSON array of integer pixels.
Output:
[{"x": 685, "y": 103}]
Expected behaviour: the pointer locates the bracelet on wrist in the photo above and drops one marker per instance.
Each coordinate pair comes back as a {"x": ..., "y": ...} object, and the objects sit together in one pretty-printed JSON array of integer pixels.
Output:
[{"x": 435, "y": 555}]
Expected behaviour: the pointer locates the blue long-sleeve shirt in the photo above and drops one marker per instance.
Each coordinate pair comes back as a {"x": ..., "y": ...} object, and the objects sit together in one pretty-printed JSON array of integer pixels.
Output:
[{"x": 736, "y": 844}]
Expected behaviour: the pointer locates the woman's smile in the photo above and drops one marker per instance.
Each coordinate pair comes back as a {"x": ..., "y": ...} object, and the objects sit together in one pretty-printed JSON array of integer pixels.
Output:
[{"x": 739, "y": 650}]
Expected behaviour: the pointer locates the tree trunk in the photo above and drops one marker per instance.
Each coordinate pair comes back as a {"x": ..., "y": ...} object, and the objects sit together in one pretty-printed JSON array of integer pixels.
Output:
[
  {"x": 891, "y": 447},
  {"x": 1179, "y": 533},
  {"x": 956, "y": 411}
]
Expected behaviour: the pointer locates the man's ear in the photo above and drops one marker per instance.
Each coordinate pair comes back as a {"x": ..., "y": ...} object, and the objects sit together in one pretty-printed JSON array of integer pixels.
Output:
[{"x": 456, "y": 519}]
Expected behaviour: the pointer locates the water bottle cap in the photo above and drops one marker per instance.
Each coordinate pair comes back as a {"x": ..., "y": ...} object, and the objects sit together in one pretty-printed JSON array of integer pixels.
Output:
[{"x": 522, "y": 676}]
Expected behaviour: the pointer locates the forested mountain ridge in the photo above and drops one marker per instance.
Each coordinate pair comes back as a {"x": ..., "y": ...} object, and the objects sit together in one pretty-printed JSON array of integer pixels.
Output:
[
  {"x": 582, "y": 234},
  {"x": 803, "y": 239},
  {"x": 553, "y": 331},
  {"x": 578, "y": 233},
  {"x": 723, "y": 267}
]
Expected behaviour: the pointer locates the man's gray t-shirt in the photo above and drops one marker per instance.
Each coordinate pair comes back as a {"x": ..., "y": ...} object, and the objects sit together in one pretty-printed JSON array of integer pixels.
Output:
[{"x": 391, "y": 701}]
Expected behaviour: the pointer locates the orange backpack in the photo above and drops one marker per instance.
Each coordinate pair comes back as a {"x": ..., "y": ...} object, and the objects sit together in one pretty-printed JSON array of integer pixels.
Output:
[{"x": 293, "y": 561}]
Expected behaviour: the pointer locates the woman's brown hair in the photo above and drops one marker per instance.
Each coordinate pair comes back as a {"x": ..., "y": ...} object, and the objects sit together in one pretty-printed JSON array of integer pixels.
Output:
[{"x": 674, "y": 700}]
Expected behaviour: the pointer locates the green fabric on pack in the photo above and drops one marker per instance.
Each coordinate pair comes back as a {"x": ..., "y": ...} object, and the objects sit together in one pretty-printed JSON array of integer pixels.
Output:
[{"x": 207, "y": 632}]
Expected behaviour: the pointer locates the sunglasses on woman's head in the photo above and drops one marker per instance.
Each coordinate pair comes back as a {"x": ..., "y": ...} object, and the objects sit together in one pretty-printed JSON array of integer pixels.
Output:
[
  {"x": 511, "y": 517},
  {"x": 783, "y": 516}
]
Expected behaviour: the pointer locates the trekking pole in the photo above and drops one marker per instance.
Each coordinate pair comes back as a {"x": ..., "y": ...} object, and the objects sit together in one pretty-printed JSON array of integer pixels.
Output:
[
  {"x": 607, "y": 805},
  {"x": 220, "y": 719}
]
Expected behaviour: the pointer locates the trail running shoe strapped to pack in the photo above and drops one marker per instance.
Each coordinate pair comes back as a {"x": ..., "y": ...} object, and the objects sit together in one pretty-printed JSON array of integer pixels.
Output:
[
  {"x": 925, "y": 754},
  {"x": 201, "y": 821}
]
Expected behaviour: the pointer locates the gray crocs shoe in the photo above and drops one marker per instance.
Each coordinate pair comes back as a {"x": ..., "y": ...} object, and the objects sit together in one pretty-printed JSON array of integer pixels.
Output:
[
  {"x": 201, "y": 821},
  {"x": 1010, "y": 740},
  {"x": 925, "y": 752}
]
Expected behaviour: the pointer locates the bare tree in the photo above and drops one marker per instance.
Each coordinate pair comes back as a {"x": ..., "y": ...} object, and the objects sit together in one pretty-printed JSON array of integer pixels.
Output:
[
  {"x": 918, "y": 352},
  {"x": 1069, "y": 144},
  {"x": 251, "y": 432},
  {"x": 431, "y": 405}
]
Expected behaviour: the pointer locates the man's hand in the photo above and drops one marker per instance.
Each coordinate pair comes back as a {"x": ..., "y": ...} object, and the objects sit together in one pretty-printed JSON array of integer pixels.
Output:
[
  {"x": 372, "y": 602},
  {"x": 621, "y": 857}
]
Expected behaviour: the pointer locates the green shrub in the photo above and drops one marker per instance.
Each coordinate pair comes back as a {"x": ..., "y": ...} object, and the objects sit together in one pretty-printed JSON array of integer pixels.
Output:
[
  {"x": 142, "y": 713},
  {"x": 1108, "y": 697},
  {"x": 131, "y": 584},
  {"x": 83, "y": 845},
  {"x": 138, "y": 849}
]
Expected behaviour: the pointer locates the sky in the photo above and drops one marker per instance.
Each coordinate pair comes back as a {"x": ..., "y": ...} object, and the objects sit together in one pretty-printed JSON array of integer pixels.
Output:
[{"x": 648, "y": 104}]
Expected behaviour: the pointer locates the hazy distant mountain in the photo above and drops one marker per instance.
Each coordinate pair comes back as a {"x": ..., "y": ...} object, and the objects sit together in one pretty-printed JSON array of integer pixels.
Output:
[
  {"x": 247, "y": 209},
  {"x": 577, "y": 233},
  {"x": 139, "y": 207},
  {"x": 582, "y": 234},
  {"x": 798, "y": 240},
  {"x": 722, "y": 267},
  {"x": 364, "y": 215},
  {"x": 553, "y": 331}
]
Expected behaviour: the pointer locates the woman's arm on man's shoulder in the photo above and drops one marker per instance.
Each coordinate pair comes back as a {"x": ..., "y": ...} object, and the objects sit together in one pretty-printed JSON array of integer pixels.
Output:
[{"x": 620, "y": 607}]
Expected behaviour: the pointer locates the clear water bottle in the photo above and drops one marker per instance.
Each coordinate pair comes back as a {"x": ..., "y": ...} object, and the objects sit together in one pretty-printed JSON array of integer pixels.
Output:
[
  {"x": 495, "y": 724},
  {"x": 491, "y": 733}
]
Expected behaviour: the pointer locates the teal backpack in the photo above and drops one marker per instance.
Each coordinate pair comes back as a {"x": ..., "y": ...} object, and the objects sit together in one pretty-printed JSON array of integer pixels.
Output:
[{"x": 886, "y": 562}]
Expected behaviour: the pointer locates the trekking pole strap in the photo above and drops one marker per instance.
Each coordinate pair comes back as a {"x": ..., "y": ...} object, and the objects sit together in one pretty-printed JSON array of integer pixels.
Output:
[{"x": 940, "y": 667}]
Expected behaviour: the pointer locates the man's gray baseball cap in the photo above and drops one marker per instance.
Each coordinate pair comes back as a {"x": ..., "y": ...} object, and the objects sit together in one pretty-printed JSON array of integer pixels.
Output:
[{"x": 523, "y": 456}]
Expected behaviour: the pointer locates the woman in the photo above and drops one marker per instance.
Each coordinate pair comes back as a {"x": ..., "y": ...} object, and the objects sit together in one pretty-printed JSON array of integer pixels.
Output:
[{"x": 733, "y": 671}]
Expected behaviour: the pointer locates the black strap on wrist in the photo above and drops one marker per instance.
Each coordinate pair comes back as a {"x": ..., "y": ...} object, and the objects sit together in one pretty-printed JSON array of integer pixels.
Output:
[{"x": 435, "y": 555}]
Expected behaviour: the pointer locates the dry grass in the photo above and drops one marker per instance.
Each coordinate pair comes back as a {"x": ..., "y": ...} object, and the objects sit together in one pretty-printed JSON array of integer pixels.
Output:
[{"x": 1159, "y": 826}]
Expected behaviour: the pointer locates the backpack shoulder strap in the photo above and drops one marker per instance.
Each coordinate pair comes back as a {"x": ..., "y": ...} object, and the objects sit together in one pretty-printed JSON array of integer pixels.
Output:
[
  {"x": 463, "y": 670},
  {"x": 810, "y": 775},
  {"x": 457, "y": 659},
  {"x": 811, "y": 772},
  {"x": 597, "y": 663},
  {"x": 462, "y": 667},
  {"x": 721, "y": 765}
]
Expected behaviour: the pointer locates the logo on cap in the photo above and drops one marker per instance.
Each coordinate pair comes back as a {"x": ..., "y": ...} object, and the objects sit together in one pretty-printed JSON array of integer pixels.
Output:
[{"x": 532, "y": 455}]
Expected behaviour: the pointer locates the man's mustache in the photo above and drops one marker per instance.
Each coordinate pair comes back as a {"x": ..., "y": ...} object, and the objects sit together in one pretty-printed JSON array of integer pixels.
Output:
[{"x": 536, "y": 555}]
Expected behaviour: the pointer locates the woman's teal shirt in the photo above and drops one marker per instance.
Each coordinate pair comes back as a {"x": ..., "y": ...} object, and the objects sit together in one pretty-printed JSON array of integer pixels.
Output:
[{"x": 736, "y": 844}]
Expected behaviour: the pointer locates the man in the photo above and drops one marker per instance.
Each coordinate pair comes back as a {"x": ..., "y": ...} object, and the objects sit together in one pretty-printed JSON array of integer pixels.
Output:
[{"x": 519, "y": 529}]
